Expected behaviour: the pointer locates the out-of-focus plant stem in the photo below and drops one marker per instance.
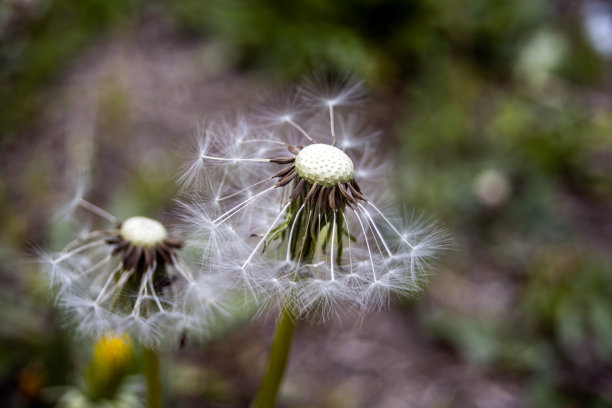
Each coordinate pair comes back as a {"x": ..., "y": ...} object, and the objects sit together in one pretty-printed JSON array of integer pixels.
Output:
[
  {"x": 277, "y": 360},
  {"x": 152, "y": 376}
]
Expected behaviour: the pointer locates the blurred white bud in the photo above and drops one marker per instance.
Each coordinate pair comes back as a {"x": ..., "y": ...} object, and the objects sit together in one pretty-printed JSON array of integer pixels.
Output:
[
  {"x": 542, "y": 54},
  {"x": 492, "y": 188}
]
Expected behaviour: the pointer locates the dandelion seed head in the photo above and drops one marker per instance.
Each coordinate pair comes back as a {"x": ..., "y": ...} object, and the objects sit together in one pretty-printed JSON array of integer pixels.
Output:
[
  {"x": 324, "y": 164},
  {"x": 143, "y": 232},
  {"x": 296, "y": 219},
  {"x": 128, "y": 279}
]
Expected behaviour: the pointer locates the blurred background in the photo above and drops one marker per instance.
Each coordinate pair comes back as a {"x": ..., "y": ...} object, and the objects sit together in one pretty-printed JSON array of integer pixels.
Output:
[{"x": 498, "y": 115}]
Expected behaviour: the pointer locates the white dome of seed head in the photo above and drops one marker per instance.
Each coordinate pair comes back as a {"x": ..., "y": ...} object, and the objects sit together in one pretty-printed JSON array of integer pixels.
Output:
[
  {"x": 143, "y": 232},
  {"x": 324, "y": 164}
]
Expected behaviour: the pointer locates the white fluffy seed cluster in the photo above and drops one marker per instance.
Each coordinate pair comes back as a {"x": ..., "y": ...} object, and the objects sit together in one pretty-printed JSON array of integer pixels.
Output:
[
  {"x": 364, "y": 256},
  {"x": 100, "y": 295},
  {"x": 143, "y": 232},
  {"x": 324, "y": 164}
]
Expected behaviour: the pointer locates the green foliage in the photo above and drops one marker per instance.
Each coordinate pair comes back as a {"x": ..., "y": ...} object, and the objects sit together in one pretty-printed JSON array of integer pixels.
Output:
[
  {"x": 379, "y": 40},
  {"x": 568, "y": 295},
  {"x": 460, "y": 126},
  {"x": 556, "y": 331}
]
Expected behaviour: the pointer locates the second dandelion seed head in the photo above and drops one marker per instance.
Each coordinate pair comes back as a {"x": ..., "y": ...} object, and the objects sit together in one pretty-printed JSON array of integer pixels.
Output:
[
  {"x": 144, "y": 243},
  {"x": 131, "y": 279},
  {"x": 143, "y": 232}
]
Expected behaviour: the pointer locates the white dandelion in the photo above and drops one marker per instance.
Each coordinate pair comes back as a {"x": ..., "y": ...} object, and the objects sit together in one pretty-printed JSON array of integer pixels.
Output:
[
  {"x": 285, "y": 213},
  {"x": 288, "y": 208},
  {"x": 130, "y": 279}
]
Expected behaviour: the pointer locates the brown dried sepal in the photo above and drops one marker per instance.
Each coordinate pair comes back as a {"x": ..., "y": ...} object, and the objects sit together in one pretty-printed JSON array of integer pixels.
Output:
[{"x": 135, "y": 257}]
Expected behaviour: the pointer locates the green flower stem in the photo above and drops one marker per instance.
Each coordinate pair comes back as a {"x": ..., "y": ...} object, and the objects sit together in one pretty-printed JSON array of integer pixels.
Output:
[
  {"x": 152, "y": 376},
  {"x": 277, "y": 360}
]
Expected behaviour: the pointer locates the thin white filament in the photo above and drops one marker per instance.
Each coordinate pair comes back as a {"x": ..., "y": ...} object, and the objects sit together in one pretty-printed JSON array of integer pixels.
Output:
[
  {"x": 98, "y": 211},
  {"x": 244, "y": 189},
  {"x": 264, "y": 141},
  {"x": 371, "y": 221},
  {"x": 107, "y": 283},
  {"x": 391, "y": 225},
  {"x": 153, "y": 294},
  {"x": 265, "y": 235},
  {"x": 225, "y": 216},
  {"x": 124, "y": 277},
  {"x": 365, "y": 238},
  {"x": 289, "y": 274},
  {"x": 142, "y": 290},
  {"x": 369, "y": 224},
  {"x": 305, "y": 235},
  {"x": 331, "y": 250},
  {"x": 331, "y": 123},
  {"x": 291, "y": 231},
  {"x": 348, "y": 231},
  {"x": 299, "y": 128},
  {"x": 80, "y": 249},
  {"x": 235, "y": 160},
  {"x": 88, "y": 236},
  {"x": 104, "y": 260},
  {"x": 182, "y": 270}
]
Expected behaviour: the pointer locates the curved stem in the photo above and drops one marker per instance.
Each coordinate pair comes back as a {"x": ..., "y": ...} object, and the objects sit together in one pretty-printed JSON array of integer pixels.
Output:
[
  {"x": 277, "y": 360},
  {"x": 152, "y": 376}
]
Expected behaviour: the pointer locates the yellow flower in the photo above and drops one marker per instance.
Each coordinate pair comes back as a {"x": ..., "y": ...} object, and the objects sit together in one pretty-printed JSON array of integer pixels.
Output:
[
  {"x": 113, "y": 351},
  {"x": 110, "y": 363}
]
